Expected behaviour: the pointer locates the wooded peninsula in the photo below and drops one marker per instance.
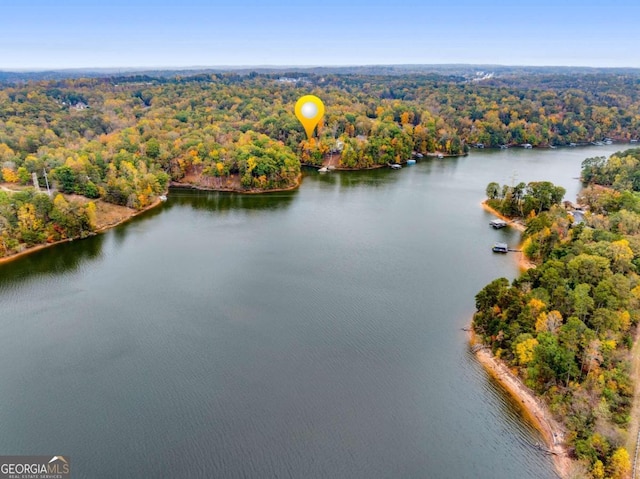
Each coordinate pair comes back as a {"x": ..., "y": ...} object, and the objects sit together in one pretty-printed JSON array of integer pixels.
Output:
[{"x": 567, "y": 327}]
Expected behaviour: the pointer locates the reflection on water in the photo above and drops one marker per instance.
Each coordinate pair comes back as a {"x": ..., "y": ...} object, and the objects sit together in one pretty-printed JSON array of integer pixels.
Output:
[
  {"x": 119, "y": 233},
  {"x": 218, "y": 201},
  {"x": 55, "y": 260}
]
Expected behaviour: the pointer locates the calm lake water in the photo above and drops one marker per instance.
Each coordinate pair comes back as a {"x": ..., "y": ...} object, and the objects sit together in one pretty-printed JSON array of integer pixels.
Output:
[{"x": 309, "y": 334}]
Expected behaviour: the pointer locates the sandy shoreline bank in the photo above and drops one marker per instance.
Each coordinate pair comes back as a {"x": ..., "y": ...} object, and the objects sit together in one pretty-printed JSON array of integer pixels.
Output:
[
  {"x": 535, "y": 411},
  {"x": 101, "y": 229},
  {"x": 523, "y": 262},
  {"x": 514, "y": 223}
]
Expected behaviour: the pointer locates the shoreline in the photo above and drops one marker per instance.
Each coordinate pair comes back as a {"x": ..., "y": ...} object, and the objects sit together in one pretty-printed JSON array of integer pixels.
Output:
[
  {"x": 150, "y": 206},
  {"x": 533, "y": 409},
  {"x": 513, "y": 222},
  {"x": 429, "y": 155},
  {"x": 177, "y": 184},
  {"x": 523, "y": 262},
  {"x": 343, "y": 168},
  {"x": 101, "y": 229},
  {"x": 536, "y": 411}
]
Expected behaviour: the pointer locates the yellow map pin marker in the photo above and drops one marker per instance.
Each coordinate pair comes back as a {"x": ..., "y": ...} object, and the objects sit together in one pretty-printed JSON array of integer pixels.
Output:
[{"x": 309, "y": 110}]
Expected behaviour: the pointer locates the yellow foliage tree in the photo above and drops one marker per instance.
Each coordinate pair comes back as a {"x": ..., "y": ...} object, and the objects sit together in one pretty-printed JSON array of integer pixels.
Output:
[
  {"x": 60, "y": 203},
  {"x": 624, "y": 318},
  {"x": 536, "y": 306},
  {"x": 252, "y": 162},
  {"x": 6, "y": 153},
  {"x": 9, "y": 175},
  {"x": 91, "y": 214},
  {"x": 525, "y": 349},
  {"x": 549, "y": 321},
  {"x": 27, "y": 218},
  {"x": 597, "y": 471},
  {"x": 620, "y": 464}
]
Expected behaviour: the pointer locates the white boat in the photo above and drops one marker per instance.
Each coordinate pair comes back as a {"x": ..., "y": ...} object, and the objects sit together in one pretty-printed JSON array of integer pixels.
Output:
[
  {"x": 162, "y": 198},
  {"x": 324, "y": 169},
  {"x": 396, "y": 166}
]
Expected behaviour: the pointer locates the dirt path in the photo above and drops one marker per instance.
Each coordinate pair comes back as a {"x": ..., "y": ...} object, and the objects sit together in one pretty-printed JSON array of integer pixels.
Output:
[
  {"x": 634, "y": 425},
  {"x": 9, "y": 190}
]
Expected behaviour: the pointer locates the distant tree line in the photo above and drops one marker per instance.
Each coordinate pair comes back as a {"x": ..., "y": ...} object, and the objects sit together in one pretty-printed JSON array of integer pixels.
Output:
[{"x": 123, "y": 139}]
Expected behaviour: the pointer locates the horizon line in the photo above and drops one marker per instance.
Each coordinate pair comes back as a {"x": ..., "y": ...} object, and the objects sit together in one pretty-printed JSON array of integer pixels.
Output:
[{"x": 294, "y": 66}]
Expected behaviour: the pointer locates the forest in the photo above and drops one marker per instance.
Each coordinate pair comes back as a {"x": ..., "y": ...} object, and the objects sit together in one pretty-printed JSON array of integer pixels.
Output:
[
  {"x": 125, "y": 139},
  {"x": 568, "y": 325}
]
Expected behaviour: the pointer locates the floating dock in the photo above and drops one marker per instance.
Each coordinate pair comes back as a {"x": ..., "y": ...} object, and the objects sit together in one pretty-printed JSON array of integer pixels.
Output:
[
  {"x": 497, "y": 224},
  {"x": 500, "y": 248}
]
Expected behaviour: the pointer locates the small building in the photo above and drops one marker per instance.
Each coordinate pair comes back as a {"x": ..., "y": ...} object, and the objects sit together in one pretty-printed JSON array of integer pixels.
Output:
[
  {"x": 497, "y": 224},
  {"x": 500, "y": 248}
]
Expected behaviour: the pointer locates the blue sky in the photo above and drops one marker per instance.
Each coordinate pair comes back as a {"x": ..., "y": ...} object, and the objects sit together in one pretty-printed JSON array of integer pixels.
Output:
[{"x": 161, "y": 33}]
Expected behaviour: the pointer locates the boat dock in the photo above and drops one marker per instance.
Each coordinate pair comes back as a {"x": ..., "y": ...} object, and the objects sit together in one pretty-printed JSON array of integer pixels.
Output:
[
  {"x": 500, "y": 248},
  {"x": 497, "y": 224}
]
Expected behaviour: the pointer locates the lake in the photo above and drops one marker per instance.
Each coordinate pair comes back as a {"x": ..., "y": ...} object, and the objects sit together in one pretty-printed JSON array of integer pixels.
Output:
[{"x": 307, "y": 334}]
